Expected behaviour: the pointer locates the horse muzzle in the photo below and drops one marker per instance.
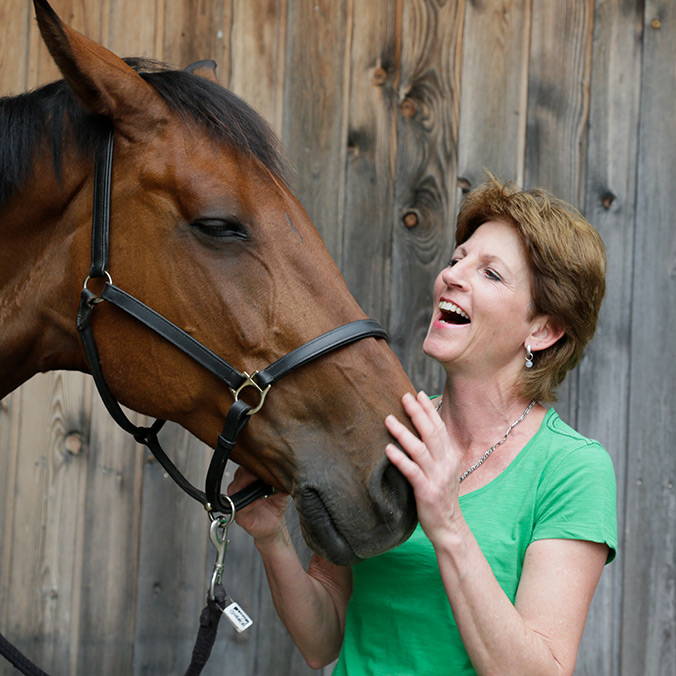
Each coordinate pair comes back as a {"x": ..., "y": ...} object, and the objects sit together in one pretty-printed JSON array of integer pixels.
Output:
[{"x": 345, "y": 522}]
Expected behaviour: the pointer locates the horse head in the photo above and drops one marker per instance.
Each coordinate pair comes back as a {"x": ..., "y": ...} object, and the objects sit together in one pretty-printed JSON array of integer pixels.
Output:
[{"x": 205, "y": 230}]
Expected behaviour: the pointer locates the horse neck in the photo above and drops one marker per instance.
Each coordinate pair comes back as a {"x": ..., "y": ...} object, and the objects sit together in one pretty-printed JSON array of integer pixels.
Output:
[{"x": 39, "y": 286}]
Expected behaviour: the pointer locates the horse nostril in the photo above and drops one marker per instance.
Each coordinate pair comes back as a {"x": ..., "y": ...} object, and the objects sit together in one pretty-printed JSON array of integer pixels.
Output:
[{"x": 392, "y": 496}]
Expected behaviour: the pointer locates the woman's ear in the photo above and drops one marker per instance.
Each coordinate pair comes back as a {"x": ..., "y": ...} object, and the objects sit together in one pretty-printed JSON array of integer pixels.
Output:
[{"x": 544, "y": 332}]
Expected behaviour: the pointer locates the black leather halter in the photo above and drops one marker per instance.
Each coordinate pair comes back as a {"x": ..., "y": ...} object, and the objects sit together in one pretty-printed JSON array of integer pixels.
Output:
[{"x": 237, "y": 381}]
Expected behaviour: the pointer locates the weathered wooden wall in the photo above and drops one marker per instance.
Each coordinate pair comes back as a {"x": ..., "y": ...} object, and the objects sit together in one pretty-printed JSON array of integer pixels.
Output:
[{"x": 388, "y": 109}]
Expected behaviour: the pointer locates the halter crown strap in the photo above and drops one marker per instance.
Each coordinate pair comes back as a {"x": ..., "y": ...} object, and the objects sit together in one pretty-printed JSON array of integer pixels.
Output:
[{"x": 103, "y": 175}]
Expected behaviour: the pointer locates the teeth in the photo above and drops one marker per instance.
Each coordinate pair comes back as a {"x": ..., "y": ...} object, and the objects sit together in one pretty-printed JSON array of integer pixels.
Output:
[{"x": 447, "y": 306}]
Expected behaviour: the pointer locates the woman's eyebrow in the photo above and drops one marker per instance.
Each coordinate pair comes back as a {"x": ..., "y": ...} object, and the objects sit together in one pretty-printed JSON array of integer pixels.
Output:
[
  {"x": 490, "y": 258},
  {"x": 486, "y": 258}
]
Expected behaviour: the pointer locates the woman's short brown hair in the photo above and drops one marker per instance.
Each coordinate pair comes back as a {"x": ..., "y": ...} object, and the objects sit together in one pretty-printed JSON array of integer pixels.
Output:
[{"x": 567, "y": 262}]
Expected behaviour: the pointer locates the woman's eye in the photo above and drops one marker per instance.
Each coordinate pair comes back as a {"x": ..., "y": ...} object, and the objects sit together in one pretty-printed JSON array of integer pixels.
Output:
[
  {"x": 452, "y": 262},
  {"x": 493, "y": 275},
  {"x": 221, "y": 228}
]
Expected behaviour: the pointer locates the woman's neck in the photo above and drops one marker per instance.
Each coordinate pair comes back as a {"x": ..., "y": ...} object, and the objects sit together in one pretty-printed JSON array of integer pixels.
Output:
[{"x": 477, "y": 413}]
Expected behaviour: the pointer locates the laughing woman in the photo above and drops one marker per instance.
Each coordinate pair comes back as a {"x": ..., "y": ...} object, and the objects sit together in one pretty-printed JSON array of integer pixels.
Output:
[{"x": 516, "y": 509}]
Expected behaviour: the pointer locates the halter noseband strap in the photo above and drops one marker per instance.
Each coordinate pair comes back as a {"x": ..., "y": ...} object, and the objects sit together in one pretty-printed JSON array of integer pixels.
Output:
[{"x": 240, "y": 411}]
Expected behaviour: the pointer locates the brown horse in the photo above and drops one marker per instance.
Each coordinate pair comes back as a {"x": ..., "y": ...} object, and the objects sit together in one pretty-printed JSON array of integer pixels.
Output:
[{"x": 205, "y": 230}]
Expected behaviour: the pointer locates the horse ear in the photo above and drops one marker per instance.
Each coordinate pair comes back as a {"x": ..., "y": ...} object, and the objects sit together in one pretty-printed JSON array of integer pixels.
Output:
[
  {"x": 205, "y": 68},
  {"x": 102, "y": 82}
]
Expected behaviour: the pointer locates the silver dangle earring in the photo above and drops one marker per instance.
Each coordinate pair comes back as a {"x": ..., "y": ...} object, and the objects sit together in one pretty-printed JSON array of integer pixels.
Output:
[{"x": 529, "y": 358}]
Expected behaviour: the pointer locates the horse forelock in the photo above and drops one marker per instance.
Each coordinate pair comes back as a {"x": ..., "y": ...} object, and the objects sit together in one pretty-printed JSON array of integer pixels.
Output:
[{"x": 47, "y": 113}]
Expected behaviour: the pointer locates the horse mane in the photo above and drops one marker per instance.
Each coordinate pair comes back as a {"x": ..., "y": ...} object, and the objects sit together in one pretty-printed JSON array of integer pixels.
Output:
[{"x": 47, "y": 112}]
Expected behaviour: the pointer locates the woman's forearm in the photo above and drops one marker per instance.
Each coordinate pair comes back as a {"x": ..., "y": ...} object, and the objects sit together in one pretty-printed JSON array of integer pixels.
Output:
[
  {"x": 311, "y": 603},
  {"x": 494, "y": 633}
]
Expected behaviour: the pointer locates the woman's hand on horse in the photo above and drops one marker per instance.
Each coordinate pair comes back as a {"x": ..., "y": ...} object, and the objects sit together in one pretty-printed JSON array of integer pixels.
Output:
[
  {"x": 262, "y": 519},
  {"x": 429, "y": 461}
]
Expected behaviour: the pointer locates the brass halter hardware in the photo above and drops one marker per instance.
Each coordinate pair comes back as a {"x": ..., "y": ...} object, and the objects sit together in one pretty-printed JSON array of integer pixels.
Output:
[{"x": 250, "y": 382}]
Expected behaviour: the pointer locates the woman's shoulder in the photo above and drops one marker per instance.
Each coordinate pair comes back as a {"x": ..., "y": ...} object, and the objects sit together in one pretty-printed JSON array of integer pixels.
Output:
[{"x": 565, "y": 450}]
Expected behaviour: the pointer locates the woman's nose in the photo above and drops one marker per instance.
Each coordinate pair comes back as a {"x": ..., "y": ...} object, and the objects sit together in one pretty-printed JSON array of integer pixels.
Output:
[{"x": 454, "y": 276}]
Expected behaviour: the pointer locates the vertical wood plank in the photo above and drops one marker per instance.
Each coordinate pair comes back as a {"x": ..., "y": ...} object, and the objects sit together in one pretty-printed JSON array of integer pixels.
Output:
[
  {"x": 603, "y": 393},
  {"x": 257, "y": 48},
  {"x": 558, "y": 110},
  {"x": 129, "y": 27},
  {"x": 61, "y": 562},
  {"x": 172, "y": 565},
  {"x": 314, "y": 125},
  {"x": 649, "y": 605},
  {"x": 427, "y": 132},
  {"x": 42, "y": 519},
  {"x": 196, "y": 29},
  {"x": 370, "y": 213},
  {"x": 494, "y": 91},
  {"x": 25, "y": 516},
  {"x": 15, "y": 17},
  {"x": 9, "y": 435},
  {"x": 111, "y": 545}
]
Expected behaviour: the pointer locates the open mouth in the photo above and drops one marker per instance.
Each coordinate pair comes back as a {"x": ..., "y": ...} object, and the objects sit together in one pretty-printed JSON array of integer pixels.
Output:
[{"x": 452, "y": 313}]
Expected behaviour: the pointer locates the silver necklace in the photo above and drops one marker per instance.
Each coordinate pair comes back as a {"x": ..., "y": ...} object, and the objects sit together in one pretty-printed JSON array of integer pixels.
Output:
[{"x": 488, "y": 453}]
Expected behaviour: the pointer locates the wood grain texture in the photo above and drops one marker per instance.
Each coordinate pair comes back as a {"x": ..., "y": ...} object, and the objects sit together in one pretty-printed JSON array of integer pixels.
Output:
[
  {"x": 42, "y": 514},
  {"x": 603, "y": 392},
  {"x": 14, "y": 46},
  {"x": 649, "y": 605},
  {"x": 193, "y": 30},
  {"x": 315, "y": 120},
  {"x": 370, "y": 213},
  {"x": 111, "y": 545},
  {"x": 172, "y": 559},
  {"x": 257, "y": 45},
  {"x": 494, "y": 91},
  {"x": 427, "y": 137}
]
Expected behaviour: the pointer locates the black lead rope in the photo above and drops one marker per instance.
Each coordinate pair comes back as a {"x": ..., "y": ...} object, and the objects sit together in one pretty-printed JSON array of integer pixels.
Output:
[
  {"x": 237, "y": 381},
  {"x": 19, "y": 660}
]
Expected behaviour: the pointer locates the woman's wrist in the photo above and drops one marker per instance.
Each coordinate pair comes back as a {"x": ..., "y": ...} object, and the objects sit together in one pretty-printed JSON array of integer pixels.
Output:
[
  {"x": 271, "y": 541},
  {"x": 452, "y": 535}
]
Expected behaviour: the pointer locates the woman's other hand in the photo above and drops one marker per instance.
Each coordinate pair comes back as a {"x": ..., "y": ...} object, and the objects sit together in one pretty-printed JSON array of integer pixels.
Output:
[
  {"x": 430, "y": 463},
  {"x": 262, "y": 519}
]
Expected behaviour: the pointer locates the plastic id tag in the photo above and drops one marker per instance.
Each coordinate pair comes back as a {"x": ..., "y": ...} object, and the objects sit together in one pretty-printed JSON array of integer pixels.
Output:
[{"x": 238, "y": 618}]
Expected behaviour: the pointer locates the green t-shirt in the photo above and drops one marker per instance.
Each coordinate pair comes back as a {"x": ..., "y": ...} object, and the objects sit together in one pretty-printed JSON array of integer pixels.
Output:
[{"x": 399, "y": 620}]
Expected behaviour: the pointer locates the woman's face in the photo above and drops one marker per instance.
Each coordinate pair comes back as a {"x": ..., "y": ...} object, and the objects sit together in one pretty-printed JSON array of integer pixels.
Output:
[{"x": 482, "y": 301}]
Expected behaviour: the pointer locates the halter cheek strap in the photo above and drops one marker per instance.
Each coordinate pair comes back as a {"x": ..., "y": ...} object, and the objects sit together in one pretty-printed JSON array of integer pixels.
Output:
[{"x": 239, "y": 412}]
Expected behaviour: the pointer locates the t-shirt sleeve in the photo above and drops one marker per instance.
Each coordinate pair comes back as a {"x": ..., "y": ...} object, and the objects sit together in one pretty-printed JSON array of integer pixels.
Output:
[{"x": 577, "y": 498}]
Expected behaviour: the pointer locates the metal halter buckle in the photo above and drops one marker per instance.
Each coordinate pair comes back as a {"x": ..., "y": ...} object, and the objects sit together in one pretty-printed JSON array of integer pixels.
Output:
[{"x": 250, "y": 382}]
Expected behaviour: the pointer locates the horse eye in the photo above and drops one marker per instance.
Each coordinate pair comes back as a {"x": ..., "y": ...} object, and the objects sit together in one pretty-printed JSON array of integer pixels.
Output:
[{"x": 221, "y": 228}]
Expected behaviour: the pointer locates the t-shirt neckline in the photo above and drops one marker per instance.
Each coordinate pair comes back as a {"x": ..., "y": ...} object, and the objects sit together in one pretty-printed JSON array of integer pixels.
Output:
[{"x": 515, "y": 462}]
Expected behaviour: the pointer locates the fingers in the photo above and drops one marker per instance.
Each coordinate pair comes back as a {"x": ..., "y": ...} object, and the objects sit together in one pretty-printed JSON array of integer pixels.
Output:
[
  {"x": 407, "y": 440},
  {"x": 410, "y": 469},
  {"x": 426, "y": 420}
]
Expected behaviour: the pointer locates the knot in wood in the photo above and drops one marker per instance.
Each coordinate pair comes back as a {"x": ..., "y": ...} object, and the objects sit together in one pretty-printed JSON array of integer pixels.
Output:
[
  {"x": 73, "y": 443},
  {"x": 607, "y": 199},
  {"x": 408, "y": 108},
  {"x": 656, "y": 24},
  {"x": 379, "y": 76},
  {"x": 411, "y": 218}
]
